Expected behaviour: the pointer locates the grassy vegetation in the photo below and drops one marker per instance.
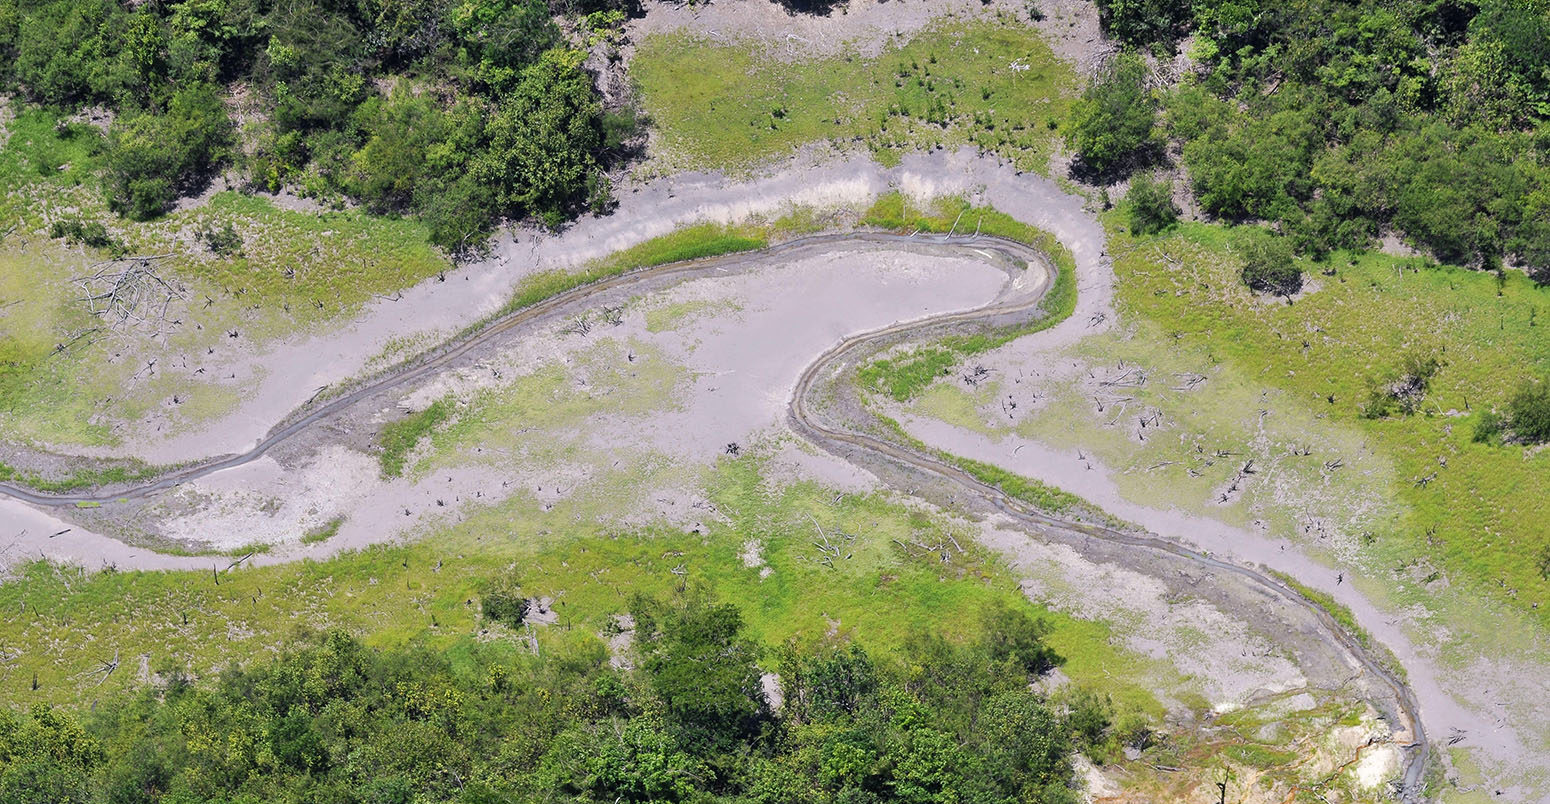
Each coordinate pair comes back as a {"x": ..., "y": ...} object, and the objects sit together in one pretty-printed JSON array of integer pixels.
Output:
[
  {"x": 295, "y": 271},
  {"x": 1044, "y": 497},
  {"x": 1040, "y": 495},
  {"x": 904, "y": 376},
  {"x": 81, "y": 478},
  {"x": 690, "y": 242},
  {"x": 395, "y": 595},
  {"x": 1470, "y": 509},
  {"x": 398, "y": 438},
  {"x": 990, "y": 83},
  {"x": 324, "y": 532}
]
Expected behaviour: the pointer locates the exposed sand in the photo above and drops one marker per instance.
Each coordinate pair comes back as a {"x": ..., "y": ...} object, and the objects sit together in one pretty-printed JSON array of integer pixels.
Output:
[
  {"x": 1448, "y": 701},
  {"x": 278, "y": 378}
]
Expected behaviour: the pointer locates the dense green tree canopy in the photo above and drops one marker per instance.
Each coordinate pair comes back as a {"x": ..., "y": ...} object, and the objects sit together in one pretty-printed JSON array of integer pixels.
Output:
[
  {"x": 1116, "y": 119},
  {"x": 1339, "y": 120},
  {"x": 332, "y": 721},
  {"x": 460, "y": 112}
]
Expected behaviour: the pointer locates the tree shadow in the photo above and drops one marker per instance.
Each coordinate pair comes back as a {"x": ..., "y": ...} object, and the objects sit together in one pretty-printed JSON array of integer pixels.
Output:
[
  {"x": 1148, "y": 157},
  {"x": 815, "y": 8}
]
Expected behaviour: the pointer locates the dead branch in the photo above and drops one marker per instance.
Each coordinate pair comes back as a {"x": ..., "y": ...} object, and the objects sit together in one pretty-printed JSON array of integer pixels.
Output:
[{"x": 128, "y": 292}]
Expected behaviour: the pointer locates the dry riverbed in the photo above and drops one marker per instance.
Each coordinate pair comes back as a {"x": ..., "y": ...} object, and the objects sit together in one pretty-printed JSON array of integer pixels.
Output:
[{"x": 626, "y": 402}]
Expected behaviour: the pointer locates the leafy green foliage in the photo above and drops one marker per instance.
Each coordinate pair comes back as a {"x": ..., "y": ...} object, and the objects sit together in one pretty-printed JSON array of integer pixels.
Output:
[
  {"x": 1268, "y": 265},
  {"x": 1115, "y": 121},
  {"x": 1151, "y": 206},
  {"x": 87, "y": 233},
  {"x": 46, "y": 756},
  {"x": 224, "y": 240},
  {"x": 502, "y": 601},
  {"x": 1528, "y": 413},
  {"x": 544, "y": 141},
  {"x": 1339, "y": 120},
  {"x": 460, "y": 113},
  {"x": 700, "y": 663},
  {"x": 1143, "y": 22},
  {"x": 329, "y": 719},
  {"x": 152, "y": 158}
]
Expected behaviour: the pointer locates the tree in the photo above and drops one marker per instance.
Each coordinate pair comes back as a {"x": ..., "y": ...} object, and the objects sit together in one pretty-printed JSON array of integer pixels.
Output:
[
  {"x": 1528, "y": 413},
  {"x": 926, "y": 766},
  {"x": 46, "y": 758},
  {"x": 61, "y": 48},
  {"x": 639, "y": 763},
  {"x": 1116, "y": 119},
  {"x": 501, "y": 38},
  {"x": 153, "y": 158},
  {"x": 1140, "y": 23},
  {"x": 1025, "y": 748},
  {"x": 1268, "y": 266},
  {"x": 502, "y": 601},
  {"x": 702, "y": 667},
  {"x": 394, "y": 160},
  {"x": 829, "y": 685},
  {"x": 1010, "y": 635},
  {"x": 544, "y": 140},
  {"x": 1151, "y": 205}
]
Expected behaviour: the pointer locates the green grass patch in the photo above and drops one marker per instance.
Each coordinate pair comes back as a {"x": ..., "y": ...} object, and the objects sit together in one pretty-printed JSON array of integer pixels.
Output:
[
  {"x": 398, "y": 438},
  {"x": 990, "y": 83},
  {"x": 1039, "y": 495},
  {"x": 323, "y": 532},
  {"x": 905, "y": 376},
  {"x": 78, "y": 479},
  {"x": 1259, "y": 756},
  {"x": 691, "y": 242},
  {"x": 1045, "y": 497},
  {"x": 688, "y": 243},
  {"x": 1334, "y": 608},
  {"x": 1471, "y": 509},
  {"x": 423, "y": 591}
]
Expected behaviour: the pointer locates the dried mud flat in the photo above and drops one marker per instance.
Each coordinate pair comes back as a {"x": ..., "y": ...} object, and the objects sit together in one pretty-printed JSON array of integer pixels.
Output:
[{"x": 719, "y": 356}]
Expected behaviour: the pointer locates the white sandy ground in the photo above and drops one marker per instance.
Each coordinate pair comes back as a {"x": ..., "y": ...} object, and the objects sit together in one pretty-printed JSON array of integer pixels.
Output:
[
  {"x": 294, "y": 371},
  {"x": 1227, "y": 660},
  {"x": 739, "y": 372}
]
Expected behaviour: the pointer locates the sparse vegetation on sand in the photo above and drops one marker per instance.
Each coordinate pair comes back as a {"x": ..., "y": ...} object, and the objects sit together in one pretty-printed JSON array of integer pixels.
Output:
[
  {"x": 295, "y": 272},
  {"x": 905, "y": 375},
  {"x": 397, "y": 439}
]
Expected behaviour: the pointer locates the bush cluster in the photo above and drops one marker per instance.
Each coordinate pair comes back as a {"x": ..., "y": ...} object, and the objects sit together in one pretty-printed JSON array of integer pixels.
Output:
[
  {"x": 1526, "y": 419},
  {"x": 330, "y": 720},
  {"x": 460, "y": 113},
  {"x": 1269, "y": 265},
  {"x": 1340, "y": 120}
]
